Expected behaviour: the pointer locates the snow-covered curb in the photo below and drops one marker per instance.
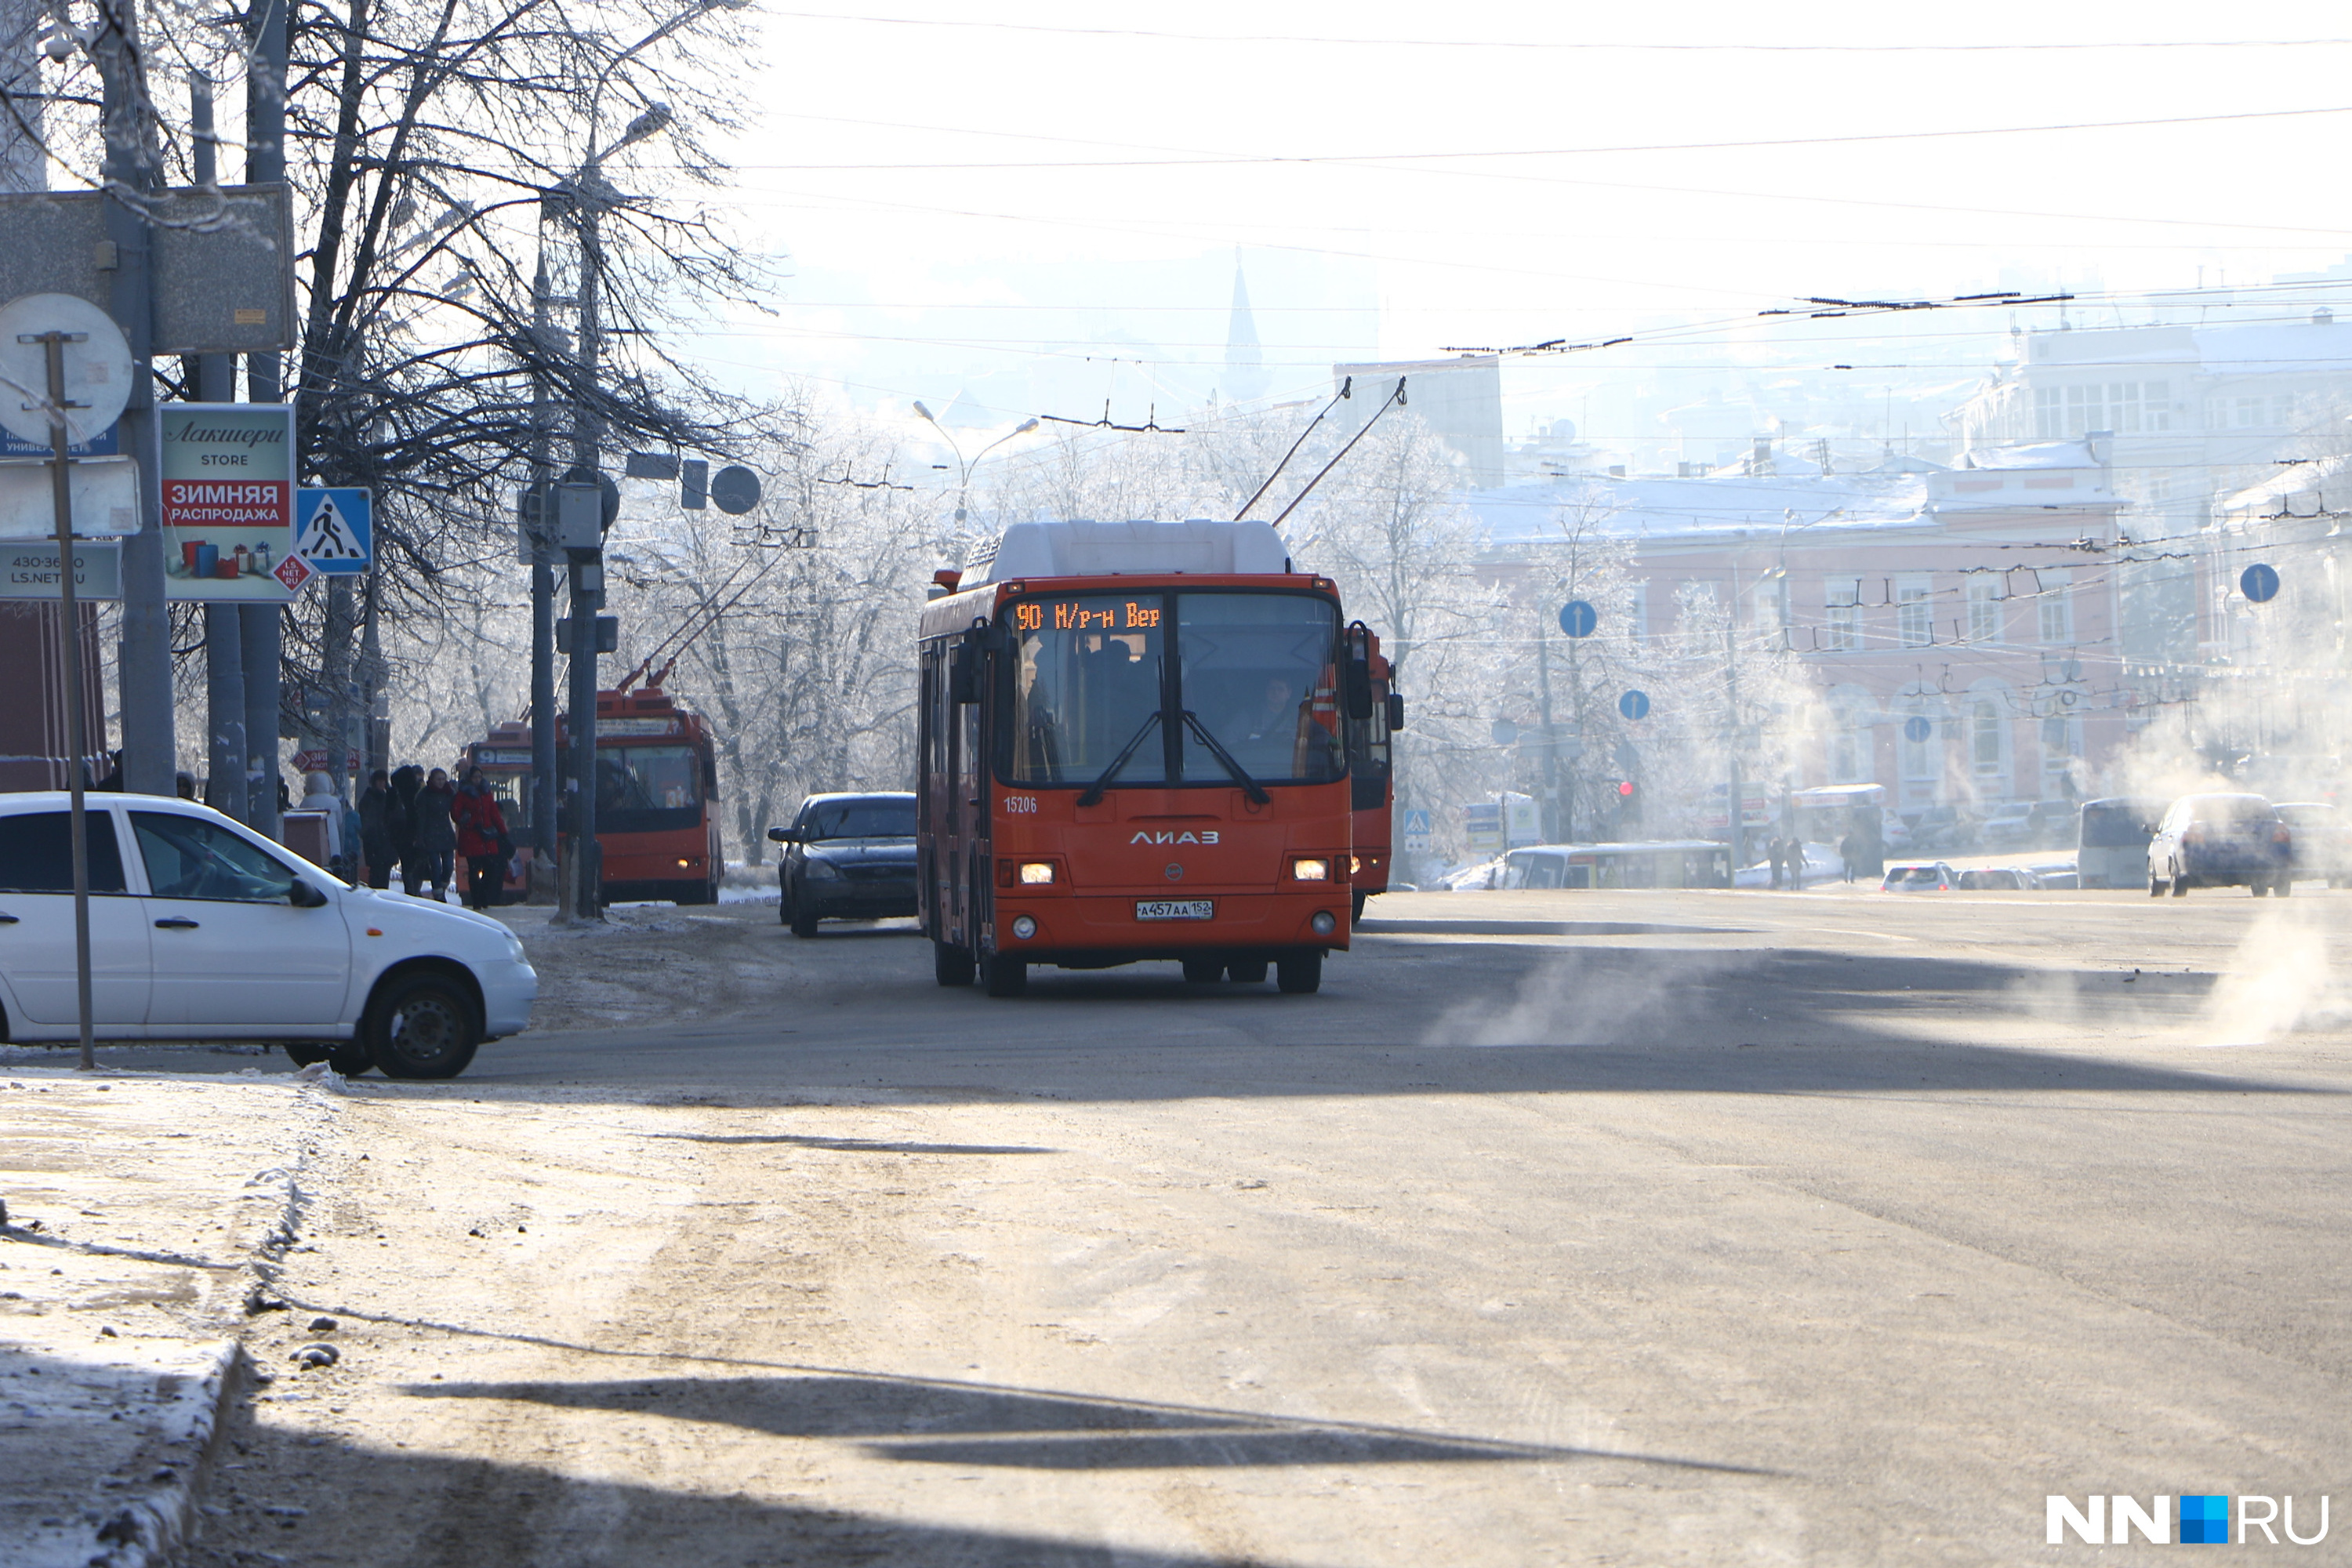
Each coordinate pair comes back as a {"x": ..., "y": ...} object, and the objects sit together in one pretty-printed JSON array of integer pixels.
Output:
[{"x": 149, "y": 1520}]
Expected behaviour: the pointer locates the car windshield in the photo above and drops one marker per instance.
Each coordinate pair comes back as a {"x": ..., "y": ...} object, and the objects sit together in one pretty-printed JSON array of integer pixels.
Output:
[
  {"x": 1094, "y": 698},
  {"x": 859, "y": 819}
]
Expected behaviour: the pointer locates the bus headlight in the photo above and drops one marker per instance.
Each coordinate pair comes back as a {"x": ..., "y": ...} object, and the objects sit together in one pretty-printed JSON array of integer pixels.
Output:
[
  {"x": 1323, "y": 923},
  {"x": 1024, "y": 927},
  {"x": 1355, "y": 865},
  {"x": 1311, "y": 870},
  {"x": 1036, "y": 873}
]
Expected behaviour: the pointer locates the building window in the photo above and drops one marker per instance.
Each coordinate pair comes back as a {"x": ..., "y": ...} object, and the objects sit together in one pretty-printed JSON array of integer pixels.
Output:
[
  {"x": 1984, "y": 608},
  {"x": 2056, "y": 602},
  {"x": 2157, "y": 397},
  {"x": 1914, "y": 614},
  {"x": 2282, "y": 410},
  {"x": 1986, "y": 733},
  {"x": 1850, "y": 748},
  {"x": 2123, "y": 407},
  {"x": 2062, "y": 742},
  {"x": 1771, "y": 606},
  {"x": 2249, "y": 412},
  {"x": 2049, "y": 413},
  {"x": 2083, "y": 411},
  {"x": 1843, "y": 596}
]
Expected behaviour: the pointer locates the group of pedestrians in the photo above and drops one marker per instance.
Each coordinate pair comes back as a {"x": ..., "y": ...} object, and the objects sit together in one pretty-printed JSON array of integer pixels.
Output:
[{"x": 422, "y": 822}]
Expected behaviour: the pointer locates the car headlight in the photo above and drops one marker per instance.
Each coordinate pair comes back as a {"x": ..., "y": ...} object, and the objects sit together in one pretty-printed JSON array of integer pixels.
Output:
[
  {"x": 514, "y": 948},
  {"x": 821, "y": 872}
]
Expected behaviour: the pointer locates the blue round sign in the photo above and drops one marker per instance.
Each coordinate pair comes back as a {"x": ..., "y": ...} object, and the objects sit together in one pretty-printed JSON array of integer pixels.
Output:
[
  {"x": 1578, "y": 619},
  {"x": 2259, "y": 582},
  {"x": 1917, "y": 728},
  {"x": 1504, "y": 732},
  {"x": 1634, "y": 705}
]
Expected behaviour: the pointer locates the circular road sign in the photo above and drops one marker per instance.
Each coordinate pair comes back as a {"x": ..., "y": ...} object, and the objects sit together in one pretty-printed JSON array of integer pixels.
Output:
[
  {"x": 1634, "y": 705},
  {"x": 1917, "y": 728},
  {"x": 1504, "y": 731},
  {"x": 735, "y": 489},
  {"x": 1578, "y": 619},
  {"x": 2259, "y": 582},
  {"x": 98, "y": 368}
]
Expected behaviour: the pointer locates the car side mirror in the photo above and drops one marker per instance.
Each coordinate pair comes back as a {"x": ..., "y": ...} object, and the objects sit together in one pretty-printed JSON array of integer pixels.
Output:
[
  {"x": 1396, "y": 710},
  {"x": 303, "y": 896},
  {"x": 783, "y": 836}
]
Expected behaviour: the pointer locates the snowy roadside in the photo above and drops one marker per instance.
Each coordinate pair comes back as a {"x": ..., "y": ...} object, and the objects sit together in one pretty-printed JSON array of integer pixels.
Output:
[{"x": 144, "y": 1217}]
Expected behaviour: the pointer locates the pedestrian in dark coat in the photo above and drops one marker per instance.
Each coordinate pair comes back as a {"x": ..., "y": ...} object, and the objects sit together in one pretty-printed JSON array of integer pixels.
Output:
[
  {"x": 378, "y": 809},
  {"x": 436, "y": 834},
  {"x": 406, "y": 780},
  {"x": 481, "y": 839}
]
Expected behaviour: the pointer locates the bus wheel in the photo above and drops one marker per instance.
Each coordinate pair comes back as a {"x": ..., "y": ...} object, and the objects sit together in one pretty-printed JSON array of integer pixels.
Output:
[
  {"x": 952, "y": 963},
  {"x": 1298, "y": 974},
  {"x": 1003, "y": 976},
  {"x": 1359, "y": 914},
  {"x": 1246, "y": 972},
  {"x": 1200, "y": 971}
]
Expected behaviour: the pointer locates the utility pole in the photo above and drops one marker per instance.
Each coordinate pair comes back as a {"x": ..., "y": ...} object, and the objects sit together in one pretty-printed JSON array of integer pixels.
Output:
[
  {"x": 1731, "y": 687},
  {"x": 1558, "y": 822},
  {"x": 262, "y": 632},
  {"x": 150, "y": 756},
  {"x": 539, "y": 508},
  {"x": 215, "y": 382},
  {"x": 584, "y": 868}
]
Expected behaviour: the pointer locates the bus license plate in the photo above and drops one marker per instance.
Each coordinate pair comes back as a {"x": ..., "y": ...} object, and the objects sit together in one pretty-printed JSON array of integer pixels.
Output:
[{"x": 1175, "y": 909}]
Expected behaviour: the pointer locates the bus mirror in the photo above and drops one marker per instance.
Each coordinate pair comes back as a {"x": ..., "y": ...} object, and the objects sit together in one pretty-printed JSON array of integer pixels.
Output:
[
  {"x": 960, "y": 682},
  {"x": 1356, "y": 680},
  {"x": 1396, "y": 710}
]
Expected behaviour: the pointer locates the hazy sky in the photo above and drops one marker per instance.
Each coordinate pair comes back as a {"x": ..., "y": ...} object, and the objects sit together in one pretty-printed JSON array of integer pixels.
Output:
[{"x": 965, "y": 199}]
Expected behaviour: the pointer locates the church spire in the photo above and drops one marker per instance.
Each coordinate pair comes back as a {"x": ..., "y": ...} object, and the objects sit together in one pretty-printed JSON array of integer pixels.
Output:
[{"x": 1245, "y": 377}]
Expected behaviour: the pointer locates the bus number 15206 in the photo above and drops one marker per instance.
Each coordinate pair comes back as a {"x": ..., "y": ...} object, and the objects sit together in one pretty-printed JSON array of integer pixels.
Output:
[{"x": 1020, "y": 805}]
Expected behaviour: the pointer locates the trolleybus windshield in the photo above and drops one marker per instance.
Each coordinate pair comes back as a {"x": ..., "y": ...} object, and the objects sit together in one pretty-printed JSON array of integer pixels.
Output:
[
  {"x": 1254, "y": 670},
  {"x": 647, "y": 789}
]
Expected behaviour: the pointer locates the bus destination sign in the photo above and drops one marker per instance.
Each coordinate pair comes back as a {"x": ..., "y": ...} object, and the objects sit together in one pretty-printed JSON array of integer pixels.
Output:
[{"x": 1081, "y": 616}]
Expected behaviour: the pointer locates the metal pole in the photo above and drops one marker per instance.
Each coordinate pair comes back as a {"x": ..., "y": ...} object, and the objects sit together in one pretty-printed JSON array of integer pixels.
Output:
[
  {"x": 225, "y": 747},
  {"x": 545, "y": 794},
  {"x": 150, "y": 754},
  {"x": 263, "y": 634},
  {"x": 1559, "y": 826},
  {"x": 1731, "y": 686},
  {"x": 588, "y": 565},
  {"x": 68, "y": 628}
]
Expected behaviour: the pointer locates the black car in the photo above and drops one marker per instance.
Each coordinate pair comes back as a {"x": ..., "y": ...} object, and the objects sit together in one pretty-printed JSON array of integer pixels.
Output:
[{"x": 847, "y": 856}]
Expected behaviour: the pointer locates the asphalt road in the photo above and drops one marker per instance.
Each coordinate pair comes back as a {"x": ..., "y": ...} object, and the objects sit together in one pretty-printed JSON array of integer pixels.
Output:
[{"x": 1700, "y": 1227}]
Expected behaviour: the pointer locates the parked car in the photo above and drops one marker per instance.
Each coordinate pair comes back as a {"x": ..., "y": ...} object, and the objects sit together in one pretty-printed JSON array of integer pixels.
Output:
[
  {"x": 1893, "y": 833},
  {"x": 2323, "y": 840},
  {"x": 1945, "y": 827},
  {"x": 2053, "y": 824},
  {"x": 1920, "y": 877},
  {"x": 2221, "y": 841},
  {"x": 202, "y": 930},
  {"x": 2007, "y": 827},
  {"x": 1998, "y": 880},
  {"x": 847, "y": 856},
  {"x": 2054, "y": 875}
]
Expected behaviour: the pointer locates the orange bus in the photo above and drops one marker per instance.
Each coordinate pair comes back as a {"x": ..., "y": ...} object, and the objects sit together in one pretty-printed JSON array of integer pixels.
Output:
[
  {"x": 1131, "y": 748},
  {"x": 657, "y": 789},
  {"x": 1372, "y": 778}
]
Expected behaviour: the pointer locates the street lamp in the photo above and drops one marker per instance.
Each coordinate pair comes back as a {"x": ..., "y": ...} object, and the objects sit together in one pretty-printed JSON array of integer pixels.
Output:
[{"x": 965, "y": 465}]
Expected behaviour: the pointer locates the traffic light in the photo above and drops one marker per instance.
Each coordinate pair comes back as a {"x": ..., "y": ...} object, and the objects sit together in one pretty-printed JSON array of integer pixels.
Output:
[{"x": 1629, "y": 803}]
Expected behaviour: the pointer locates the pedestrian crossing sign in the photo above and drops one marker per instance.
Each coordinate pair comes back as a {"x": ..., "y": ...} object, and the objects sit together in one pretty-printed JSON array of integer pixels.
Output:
[{"x": 334, "y": 530}]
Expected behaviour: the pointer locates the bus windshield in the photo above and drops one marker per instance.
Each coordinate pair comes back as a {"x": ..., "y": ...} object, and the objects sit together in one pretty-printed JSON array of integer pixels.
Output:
[
  {"x": 2119, "y": 824},
  {"x": 1092, "y": 680}
]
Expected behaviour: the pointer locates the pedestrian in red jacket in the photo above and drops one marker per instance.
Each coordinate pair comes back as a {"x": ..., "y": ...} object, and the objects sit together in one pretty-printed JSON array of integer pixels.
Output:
[{"x": 482, "y": 839}]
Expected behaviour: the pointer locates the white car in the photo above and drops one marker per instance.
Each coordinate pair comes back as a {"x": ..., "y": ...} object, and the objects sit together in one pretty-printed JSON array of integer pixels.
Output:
[{"x": 202, "y": 930}]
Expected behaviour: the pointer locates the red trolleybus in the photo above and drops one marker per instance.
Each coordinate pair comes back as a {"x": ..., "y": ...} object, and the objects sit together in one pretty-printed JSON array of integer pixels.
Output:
[
  {"x": 657, "y": 784},
  {"x": 1131, "y": 749},
  {"x": 1371, "y": 777}
]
